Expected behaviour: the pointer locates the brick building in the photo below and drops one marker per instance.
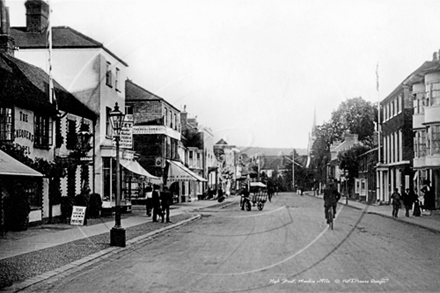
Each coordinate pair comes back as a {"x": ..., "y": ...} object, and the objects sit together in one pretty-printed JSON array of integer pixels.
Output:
[{"x": 394, "y": 170}]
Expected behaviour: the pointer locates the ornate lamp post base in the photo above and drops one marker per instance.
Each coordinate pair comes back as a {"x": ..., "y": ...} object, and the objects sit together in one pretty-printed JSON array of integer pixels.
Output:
[{"x": 117, "y": 236}]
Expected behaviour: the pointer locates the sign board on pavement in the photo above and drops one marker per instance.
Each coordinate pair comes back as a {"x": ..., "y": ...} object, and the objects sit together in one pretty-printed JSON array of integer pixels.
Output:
[{"x": 78, "y": 215}]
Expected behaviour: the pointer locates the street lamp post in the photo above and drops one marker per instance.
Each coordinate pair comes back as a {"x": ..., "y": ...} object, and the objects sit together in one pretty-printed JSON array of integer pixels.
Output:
[{"x": 117, "y": 233}]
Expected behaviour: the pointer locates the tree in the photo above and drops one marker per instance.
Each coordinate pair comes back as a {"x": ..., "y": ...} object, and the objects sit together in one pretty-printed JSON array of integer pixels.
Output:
[
  {"x": 325, "y": 134},
  {"x": 356, "y": 116},
  {"x": 192, "y": 139},
  {"x": 348, "y": 161}
]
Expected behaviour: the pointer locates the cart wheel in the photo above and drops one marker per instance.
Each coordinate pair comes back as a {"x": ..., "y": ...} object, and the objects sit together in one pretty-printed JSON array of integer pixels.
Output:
[
  {"x": 260, "y": 205},
  {"x": 248, "y": 206}
]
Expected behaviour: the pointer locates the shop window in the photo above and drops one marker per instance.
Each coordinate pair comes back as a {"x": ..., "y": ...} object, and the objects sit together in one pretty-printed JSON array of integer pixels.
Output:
[
  {"x": 106, "y": 177},
  {"x": 6, "y": 125},
  {"x": 33, "y": 191},
  {"x": 43, "y": 131},
  {"x": 109, "y": 178}
]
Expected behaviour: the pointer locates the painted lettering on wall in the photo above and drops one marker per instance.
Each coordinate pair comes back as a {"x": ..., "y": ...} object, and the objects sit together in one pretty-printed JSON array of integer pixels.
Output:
[{"x": 23, "y": 133}]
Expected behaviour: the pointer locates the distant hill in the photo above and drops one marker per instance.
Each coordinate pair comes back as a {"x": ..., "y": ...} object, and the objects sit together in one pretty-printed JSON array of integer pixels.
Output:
[{"x": 250, "y": 151}]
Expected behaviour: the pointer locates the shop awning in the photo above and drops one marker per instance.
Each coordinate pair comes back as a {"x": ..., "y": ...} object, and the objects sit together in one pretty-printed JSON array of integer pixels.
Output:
[
  {"x": 12, "y": 167},
  {"x": 135, "y": 167},
  {"x": 257, "y": 184},
  {"x": 178, "y": 172}
]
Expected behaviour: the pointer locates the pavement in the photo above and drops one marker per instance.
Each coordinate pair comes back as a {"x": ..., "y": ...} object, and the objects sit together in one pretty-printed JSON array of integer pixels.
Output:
[
  {"x": 429, "y": 221},
  {"x": 49, "y": 235}
]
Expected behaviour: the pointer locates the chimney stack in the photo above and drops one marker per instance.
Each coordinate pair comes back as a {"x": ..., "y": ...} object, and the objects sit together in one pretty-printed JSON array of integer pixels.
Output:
[
  {"x": 37, "y": 14},
  {"x": 434, "y": 56},
  {"x": 7, "y": 43},
  {"x": 3, "y": 19},
  {"x": 184, "y": 119}
]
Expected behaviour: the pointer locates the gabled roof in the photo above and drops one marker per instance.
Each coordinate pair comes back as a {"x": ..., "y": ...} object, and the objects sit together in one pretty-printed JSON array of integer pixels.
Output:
[
  {"x": 222, "y": 141},
  {"x": 26, "y": 86},
  {"x": 134, "y": 92},
  {"x": 63, "y": 37}
]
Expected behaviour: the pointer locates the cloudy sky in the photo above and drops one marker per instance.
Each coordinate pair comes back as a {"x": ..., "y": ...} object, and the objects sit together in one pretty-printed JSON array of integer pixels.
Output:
[{"x": 254, "y": 71}]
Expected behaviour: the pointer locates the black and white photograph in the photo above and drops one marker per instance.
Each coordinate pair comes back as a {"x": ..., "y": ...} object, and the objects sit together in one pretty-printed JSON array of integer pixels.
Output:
[{"x": 219, "y": 146}]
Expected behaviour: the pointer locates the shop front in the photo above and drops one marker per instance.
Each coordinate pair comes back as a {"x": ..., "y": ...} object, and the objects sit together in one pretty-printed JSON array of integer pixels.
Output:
[
  {"x": 134, "y": 179},
  {"x": 183, "y": 183},
  {"x": 20, "y": 188}
]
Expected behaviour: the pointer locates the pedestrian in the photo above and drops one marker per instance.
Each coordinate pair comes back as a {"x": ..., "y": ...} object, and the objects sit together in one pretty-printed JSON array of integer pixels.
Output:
[
  {"x": 149, "y": 200},
  {"x": 396, "y": 199},
  {"x": 428, "y": 202},
  {"x": 220, "y": 196},
  {"x": 156, "y": 203},
  {"x": 270, "y": 192},
  {"x": 408, "y": 200},
  {"x": 166, "y": 199},
  {"x": 416, "y": 212}
]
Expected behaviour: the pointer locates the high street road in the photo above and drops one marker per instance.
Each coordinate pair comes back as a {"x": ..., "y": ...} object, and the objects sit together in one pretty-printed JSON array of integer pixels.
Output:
[{"x": 287, "y": 247}]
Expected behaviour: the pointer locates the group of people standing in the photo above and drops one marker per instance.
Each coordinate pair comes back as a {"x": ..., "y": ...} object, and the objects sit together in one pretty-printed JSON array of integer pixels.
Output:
[
  {"x": 409, "y": 198},
  {"x": 158, "y": 203}
]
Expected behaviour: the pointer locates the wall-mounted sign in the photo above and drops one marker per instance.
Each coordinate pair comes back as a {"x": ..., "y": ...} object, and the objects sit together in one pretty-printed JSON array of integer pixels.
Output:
[
  {"x": 156, "y": 129},
  {"x": 24, "y": 129},
  {"x": 126, "y": 138}
]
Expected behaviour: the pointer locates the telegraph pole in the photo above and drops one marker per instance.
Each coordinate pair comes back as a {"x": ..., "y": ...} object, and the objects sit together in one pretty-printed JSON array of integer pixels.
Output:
[{"x": 293, "y": 170}]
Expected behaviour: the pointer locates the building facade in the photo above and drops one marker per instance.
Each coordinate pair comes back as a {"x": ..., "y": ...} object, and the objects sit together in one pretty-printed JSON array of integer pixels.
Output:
[
  {"x": 395, "y": 169},
  {"x": 93, "y": 74},
  {"x": 227, "y": 157},
  {"x": 46, "y": 129},
  {"x": 424, "y": 86}
]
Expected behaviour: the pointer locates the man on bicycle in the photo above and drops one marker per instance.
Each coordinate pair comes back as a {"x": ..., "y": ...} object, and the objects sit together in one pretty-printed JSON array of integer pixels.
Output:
[{"x": 331, "y": 198}]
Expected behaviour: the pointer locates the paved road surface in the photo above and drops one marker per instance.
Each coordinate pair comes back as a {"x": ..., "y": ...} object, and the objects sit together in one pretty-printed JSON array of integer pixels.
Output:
[{"x": 286, "y": 247}]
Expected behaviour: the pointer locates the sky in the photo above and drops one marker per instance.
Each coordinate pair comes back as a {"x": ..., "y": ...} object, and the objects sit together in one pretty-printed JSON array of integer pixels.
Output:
[{"x": 256, "y": 71}]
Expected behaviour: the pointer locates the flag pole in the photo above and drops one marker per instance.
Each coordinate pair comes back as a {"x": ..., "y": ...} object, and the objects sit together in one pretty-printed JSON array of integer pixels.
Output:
[
  {"x": 49, "y": 40},
  {"x": 379, "y": 158}
]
